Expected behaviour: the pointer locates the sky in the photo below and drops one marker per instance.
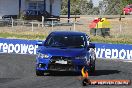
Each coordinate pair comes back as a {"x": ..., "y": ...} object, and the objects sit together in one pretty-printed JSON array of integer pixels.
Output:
[{"x": 96, "y": 2}]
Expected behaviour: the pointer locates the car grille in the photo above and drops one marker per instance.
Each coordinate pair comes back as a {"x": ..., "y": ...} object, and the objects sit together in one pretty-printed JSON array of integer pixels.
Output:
[
  {"x": 60, "y": 58},
  {"x": 61, "y": 66}
]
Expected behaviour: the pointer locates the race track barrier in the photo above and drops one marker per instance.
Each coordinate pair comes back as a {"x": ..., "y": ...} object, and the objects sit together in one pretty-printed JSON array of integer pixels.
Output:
[
  {"x": 109, "y": 51},
  {"x": 114, "y": 51},
  {"x": 18, "y": 46}
]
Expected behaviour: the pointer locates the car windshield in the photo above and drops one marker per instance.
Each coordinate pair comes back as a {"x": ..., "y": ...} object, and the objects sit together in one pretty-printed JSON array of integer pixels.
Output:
[{"x": 68, "y": 41}]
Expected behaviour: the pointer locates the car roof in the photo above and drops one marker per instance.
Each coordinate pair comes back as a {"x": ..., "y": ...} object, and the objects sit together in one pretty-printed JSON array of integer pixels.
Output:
[{"x": 68, "y": 33}]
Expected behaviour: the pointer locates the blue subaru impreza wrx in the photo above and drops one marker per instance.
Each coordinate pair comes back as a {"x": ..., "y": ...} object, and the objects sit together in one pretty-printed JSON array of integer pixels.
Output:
[{"x": 65, "y": 51}]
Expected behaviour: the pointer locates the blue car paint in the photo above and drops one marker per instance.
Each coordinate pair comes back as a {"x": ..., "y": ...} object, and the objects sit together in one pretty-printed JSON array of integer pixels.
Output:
[
  {"x": 68, "y": 52},
  {"x": 62, "y": 51}
]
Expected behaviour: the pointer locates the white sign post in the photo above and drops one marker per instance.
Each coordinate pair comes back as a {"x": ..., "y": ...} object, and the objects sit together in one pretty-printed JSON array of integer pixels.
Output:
[
  {"x": 12, "y": 22},
  {"x": 42, "y": 21},
  {"x": 74, "y": 25},
  {"x": 32, "y": 26},
  {"x": 52, "y": 24}
]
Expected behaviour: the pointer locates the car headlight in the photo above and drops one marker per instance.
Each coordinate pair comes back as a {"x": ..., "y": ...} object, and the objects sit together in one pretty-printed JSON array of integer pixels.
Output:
[
  {"x": 81, "y": 57},
  {"x": 43, "y": 55}
]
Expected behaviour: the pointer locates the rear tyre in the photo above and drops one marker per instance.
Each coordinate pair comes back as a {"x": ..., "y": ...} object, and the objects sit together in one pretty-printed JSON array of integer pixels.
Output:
[
  {"x": 39, "y": 73},
  {"x": 92, "y": 61},
  {"x": 92, "y": 68}
]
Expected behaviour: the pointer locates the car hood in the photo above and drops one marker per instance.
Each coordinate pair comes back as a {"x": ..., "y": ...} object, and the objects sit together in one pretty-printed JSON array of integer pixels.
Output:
[{"x": 67, "y": 52}]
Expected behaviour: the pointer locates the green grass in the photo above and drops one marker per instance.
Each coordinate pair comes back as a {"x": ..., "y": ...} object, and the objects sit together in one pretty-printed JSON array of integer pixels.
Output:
[
  {"x": 22, "y": 36},
  {"x": 112, "y": 40},
  {"x": 42, "y": 37}
]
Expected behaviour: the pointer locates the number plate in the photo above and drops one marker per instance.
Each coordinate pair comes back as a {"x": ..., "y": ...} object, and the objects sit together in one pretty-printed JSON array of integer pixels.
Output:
[{"x": 61, "y": 62}]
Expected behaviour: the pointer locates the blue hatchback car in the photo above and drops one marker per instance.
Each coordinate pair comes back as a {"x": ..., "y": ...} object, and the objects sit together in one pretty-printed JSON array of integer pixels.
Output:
[{"x": 65, "y": 51}]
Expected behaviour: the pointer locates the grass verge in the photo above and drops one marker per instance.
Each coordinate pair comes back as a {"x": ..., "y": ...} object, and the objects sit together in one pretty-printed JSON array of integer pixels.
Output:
[
  {"x": 22, "y": 36},
  {"x": 43, "y": 36}
]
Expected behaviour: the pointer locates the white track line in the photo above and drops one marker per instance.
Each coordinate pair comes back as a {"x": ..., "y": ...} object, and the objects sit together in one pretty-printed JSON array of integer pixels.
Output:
[{"x": 130, "y": 61}]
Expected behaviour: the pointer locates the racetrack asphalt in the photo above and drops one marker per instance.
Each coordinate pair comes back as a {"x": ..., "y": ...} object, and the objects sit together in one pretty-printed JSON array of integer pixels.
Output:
[{"x": 18, "y": 71}]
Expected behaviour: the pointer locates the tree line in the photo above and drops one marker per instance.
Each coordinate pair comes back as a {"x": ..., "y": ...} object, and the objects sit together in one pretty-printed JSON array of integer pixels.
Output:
[{"x": 86, "y": 7}]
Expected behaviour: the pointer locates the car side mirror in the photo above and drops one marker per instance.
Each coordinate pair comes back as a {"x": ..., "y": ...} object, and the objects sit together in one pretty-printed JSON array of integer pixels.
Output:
[
  {"x": 91, "y": 45},
  {"x": 39, "y": 43}
]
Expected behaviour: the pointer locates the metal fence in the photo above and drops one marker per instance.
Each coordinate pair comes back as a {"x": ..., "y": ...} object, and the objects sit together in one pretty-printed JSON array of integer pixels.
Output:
[{"x": 119, "y": 28}]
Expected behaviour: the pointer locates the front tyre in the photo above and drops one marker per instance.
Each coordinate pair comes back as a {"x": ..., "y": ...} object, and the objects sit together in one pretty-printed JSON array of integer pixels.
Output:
[{"x": 39, "y": 73}]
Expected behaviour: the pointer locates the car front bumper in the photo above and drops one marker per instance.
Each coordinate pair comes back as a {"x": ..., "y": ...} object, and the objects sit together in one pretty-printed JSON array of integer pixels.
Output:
[{"x": 53, "y": 65}]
